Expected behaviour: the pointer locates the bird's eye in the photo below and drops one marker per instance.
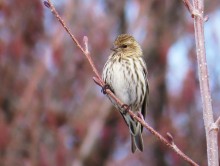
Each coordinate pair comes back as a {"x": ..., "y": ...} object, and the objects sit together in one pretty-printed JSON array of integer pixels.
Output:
[{"x": 124, "y": 46}]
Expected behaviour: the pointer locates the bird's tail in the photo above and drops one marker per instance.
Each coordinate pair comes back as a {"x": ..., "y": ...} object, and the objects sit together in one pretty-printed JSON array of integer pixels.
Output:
[
  {"x": 137, "y": 141},
  {"x": 135, "y": 130}
]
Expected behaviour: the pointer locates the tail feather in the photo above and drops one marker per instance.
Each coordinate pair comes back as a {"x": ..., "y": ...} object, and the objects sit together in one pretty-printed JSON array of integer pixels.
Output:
[
  {"x": 135, "y": 131},
  {"x": 137, "y": 141},
  {"x": 134, "y": 126},
  {"x": 133, "y": 145}
]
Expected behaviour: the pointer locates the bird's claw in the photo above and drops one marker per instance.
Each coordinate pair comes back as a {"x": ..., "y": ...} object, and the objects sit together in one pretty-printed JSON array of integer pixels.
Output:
[
  {"x": 105, "y": 87},
  {"x": 125, "y": 108}
]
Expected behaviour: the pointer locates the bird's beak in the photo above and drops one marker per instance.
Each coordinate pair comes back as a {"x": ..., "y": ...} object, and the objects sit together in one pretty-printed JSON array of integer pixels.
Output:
[{"x": 114, "y": 48}]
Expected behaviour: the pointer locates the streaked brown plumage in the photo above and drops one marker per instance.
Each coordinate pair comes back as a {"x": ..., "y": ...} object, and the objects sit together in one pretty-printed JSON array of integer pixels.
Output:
[{"x": 125, "y": 72}]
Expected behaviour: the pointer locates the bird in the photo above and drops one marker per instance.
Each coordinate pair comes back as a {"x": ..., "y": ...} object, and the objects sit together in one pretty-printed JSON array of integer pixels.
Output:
[{"x": 125, "y": 74}]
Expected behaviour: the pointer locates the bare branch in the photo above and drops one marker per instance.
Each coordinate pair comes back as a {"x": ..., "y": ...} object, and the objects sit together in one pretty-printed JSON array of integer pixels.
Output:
[
  {"x": 215, "y": 126},
  {"x": 97, "y": 81},
  {"x": 189, "y": 6},
  {"x": 85, "y": 39},
  {"x": 193, "y": 11},
  {"x": 53, "y": 10},
  {"x": 101, "y": 83},
  {"x": 217, "y": 122},
  {"x": 170, "y": 138},
  {"x": 206, "y": 18},
  {"x": 210, "y": 126}
]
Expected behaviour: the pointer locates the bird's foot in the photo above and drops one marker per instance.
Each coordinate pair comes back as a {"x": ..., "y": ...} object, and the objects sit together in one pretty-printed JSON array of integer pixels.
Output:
[
  {"x": 125, "y": 108},
  {"x": 105, "y": 87}
]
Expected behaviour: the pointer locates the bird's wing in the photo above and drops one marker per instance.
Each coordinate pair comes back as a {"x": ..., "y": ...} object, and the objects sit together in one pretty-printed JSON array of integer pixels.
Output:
[{"x": 146, "y": 97}]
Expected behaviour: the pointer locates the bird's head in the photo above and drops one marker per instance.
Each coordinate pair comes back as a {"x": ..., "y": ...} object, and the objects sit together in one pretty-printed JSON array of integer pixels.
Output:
[{"x": 127, "y": 45}]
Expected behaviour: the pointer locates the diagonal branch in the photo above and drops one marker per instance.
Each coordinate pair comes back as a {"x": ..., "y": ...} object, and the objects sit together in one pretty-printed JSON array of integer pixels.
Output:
[
  {"x": 98, "y": 80},
  {"x": 85, "y": 52}
]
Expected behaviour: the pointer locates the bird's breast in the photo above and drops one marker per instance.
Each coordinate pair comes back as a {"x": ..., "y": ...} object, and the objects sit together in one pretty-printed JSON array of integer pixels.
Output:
[{"x": 122, "y": 82}]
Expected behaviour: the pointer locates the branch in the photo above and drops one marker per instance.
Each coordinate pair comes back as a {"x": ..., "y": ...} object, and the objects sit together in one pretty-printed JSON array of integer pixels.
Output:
[
  {"x": 49, "y": 5},
  {"x": 98, "y": 80},
  {"x": 211, "y": 135},
  {"x": 217, "y": 122},
  {"x": 215, "y": 126},
  {"x": 193, "y": 11},
  {"x": 190, "y": 7}
]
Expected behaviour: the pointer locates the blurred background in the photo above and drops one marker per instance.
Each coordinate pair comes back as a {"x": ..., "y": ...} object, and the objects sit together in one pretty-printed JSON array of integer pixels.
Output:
[{"x": 53, "y": 114}]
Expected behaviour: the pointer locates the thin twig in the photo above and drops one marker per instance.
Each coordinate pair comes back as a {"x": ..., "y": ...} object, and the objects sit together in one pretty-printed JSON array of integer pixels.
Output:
[
  {"x": 217, "y": 122},
  {"x": 211, "y": 135},
  {"x": 189, "y": 6},
  {"x": 215, "y": 126},
  {"x": 193, "y": 11},
  {"x": 87, "y": 54},
  {"x": 98, "y": 80}
]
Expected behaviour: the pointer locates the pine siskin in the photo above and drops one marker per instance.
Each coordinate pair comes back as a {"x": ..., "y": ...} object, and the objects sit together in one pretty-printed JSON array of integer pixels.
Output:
[{"x": 125, "y": 74}]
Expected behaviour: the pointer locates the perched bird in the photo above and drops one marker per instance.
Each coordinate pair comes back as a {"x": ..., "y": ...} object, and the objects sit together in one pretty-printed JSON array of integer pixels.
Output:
[{"x": 125, "y": 74}]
